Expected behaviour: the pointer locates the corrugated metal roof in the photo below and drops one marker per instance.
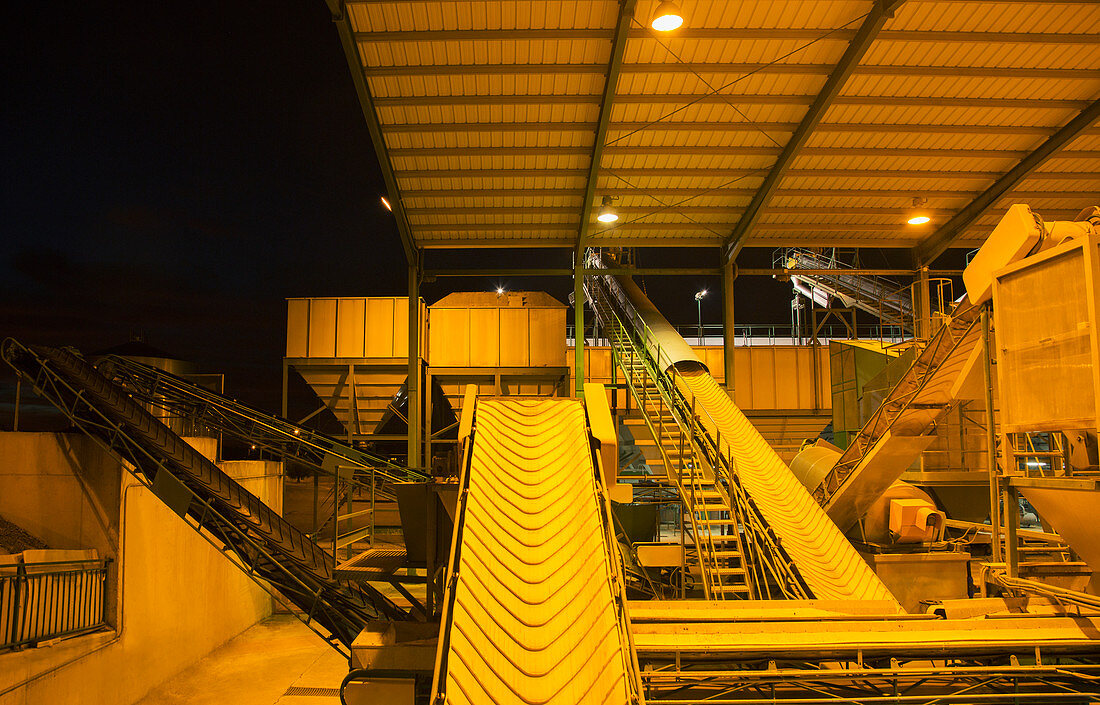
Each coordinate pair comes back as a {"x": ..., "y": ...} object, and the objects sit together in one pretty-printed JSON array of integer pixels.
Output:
[{"x": 489, "y": 109}]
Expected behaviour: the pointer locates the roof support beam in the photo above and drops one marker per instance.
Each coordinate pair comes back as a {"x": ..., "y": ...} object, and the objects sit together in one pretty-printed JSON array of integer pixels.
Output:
[
  {"x": 939, "y": 241},
  {"x": 614, "y": 66},
  {"x": 881, "y": 11},
  {"x": 366, "y": 102}
]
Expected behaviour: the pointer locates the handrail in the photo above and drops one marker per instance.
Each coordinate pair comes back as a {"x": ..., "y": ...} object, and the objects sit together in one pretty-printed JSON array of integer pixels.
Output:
[
  {"x": 664, "y": 373},
  {"x": 277, "y": 435}
]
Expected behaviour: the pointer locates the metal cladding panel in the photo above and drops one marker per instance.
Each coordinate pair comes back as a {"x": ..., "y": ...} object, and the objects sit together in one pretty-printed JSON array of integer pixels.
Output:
[
  {"x": 950, "y": 15},
  {"x": 322, "y": 328},
  {"x": 1045, "y": 340},
  {"x": 484, "y": 337},
  {"x": 350, "y": 327},
  {"x": 380, "y": 317},
  {"x": 547, "y": 337},
  {"x": 449, "y": 334},
  {"x": 515, "y": 337},
  {"x": 297, "y": 327}
]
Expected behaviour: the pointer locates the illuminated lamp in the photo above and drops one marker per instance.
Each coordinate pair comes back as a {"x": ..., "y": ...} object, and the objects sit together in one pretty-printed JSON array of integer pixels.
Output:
[
  {"x": 667, "y": 17},
  {"x": 607, "y": 214}
]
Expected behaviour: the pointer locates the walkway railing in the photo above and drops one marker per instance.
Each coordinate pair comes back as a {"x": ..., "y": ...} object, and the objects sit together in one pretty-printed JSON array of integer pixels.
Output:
[{"x": 42, "y": 601}]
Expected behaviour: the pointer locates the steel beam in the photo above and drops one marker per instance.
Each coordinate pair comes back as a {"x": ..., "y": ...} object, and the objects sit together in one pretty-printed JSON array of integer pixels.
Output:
[
  {"x": 595, "y": 69},
  {"x": 355, "y": 65},
  {"x": 857, "y": 48},
  {"x": 718, "y": 126},
  {"x": 909, "y": 153},
  {"x": 614, "y": 66},
  {"x": 938, "y": 175},
  {"x": 689, "y": 192},
  {"x": 725, "y": 33},
  {"x": 748, "y": 99},
  {"x": 939, "y": 241},
  {"x": 412, "y": 388},
  {"x": 826, "y": 239},
  {"x": 650, "y": 271}
]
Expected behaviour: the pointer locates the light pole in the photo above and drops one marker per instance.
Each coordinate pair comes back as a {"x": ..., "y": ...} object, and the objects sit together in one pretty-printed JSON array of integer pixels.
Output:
[{"x": 699, "y": 304}]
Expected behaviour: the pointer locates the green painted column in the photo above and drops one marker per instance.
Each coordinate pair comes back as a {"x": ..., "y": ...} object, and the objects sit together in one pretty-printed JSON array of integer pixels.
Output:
[
  {"x": 414, "y": 459},
  {"x": 729, "y": 274},
  {"x": 578, "y": 321}
]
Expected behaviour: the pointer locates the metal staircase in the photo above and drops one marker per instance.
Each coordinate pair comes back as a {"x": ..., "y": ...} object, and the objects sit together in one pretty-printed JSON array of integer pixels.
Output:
[
  {"x": 275, "y": 554},
  {"x": 731, "y": 548},
  {"x": 716, "y": 554}
]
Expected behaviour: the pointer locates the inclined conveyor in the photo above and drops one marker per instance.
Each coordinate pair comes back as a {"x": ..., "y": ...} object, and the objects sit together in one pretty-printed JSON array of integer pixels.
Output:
[
  {"x": 534, "y": 610},
  {"x": 809, "y": 543},
  {"x": 259, "y": 541}
]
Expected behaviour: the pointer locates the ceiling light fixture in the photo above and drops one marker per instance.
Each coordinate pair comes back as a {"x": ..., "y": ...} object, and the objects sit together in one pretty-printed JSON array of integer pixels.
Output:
[
  {"x": 607, "y": 214},
  {"x": 667, "y": 17},
  {"x": 387, "y": 204},
  {"x": 917, "y": 215}
]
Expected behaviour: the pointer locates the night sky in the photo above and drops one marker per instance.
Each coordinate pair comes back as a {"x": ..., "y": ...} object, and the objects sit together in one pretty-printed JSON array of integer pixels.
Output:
[{"x": 176, "y": 170}]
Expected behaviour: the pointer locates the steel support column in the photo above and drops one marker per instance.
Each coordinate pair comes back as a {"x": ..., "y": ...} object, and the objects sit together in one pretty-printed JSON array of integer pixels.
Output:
[
  {"x": 413, "y": 387},
  {"x": 578, "y": 326},
  {"x": 729, "y": 274},
  {"x": 991, "y": 442}
]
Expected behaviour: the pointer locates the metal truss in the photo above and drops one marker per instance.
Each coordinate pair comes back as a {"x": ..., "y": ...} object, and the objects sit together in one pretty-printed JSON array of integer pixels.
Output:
[
  {"x": 222, "y": 414},
  {"x": 1004, "y": 678},
  {"x": 276, "y": 555}
]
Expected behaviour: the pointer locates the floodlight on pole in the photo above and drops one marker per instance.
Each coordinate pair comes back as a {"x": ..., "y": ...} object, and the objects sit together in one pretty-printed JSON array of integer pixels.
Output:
[
  {"x": 386, "y": 204},
  {"x": 699, "y": 304}
]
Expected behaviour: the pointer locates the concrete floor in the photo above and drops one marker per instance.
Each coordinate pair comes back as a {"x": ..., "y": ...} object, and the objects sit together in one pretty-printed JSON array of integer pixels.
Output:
[{"x": 277, "y": 662}]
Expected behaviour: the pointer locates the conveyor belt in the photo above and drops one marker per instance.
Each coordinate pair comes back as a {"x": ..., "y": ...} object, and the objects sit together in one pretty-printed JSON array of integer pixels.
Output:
[
  {"x": 896, "y": 434},
  {"x": 254, "y": 536},
  {"x": 534, "y": 609},
  {"x": 825, "y": 559}
]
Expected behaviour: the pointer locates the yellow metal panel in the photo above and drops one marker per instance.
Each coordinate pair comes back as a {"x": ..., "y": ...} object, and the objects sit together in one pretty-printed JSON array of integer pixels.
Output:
[
  {"x": 297, "y": 327},
  {"x": 484, "y": 337},
  {"x": 400, "y": 327},
  {"x": 450, "y": 337},
  {"x": 515, "y": 338},
  {"x": 787, "y": 384},
  {"x": 547, "y": 337},
  {"x": 322, "y": 328},
  {"x": 350, "y": 320},
  {"x": 379, "y": 328}
]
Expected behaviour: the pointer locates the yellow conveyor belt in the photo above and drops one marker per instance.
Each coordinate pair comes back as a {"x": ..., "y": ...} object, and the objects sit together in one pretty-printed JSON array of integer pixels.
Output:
[
  {"x": 534, "y": 614},
  {"x": 825, "y": 559}
]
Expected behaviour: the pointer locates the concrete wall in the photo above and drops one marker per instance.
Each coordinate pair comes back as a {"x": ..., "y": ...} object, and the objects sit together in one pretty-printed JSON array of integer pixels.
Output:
[{"x": 178, "y": 597}]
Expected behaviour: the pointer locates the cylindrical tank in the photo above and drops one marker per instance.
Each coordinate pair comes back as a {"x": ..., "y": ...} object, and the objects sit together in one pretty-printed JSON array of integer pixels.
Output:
[{"x": 814, "y": 462}]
